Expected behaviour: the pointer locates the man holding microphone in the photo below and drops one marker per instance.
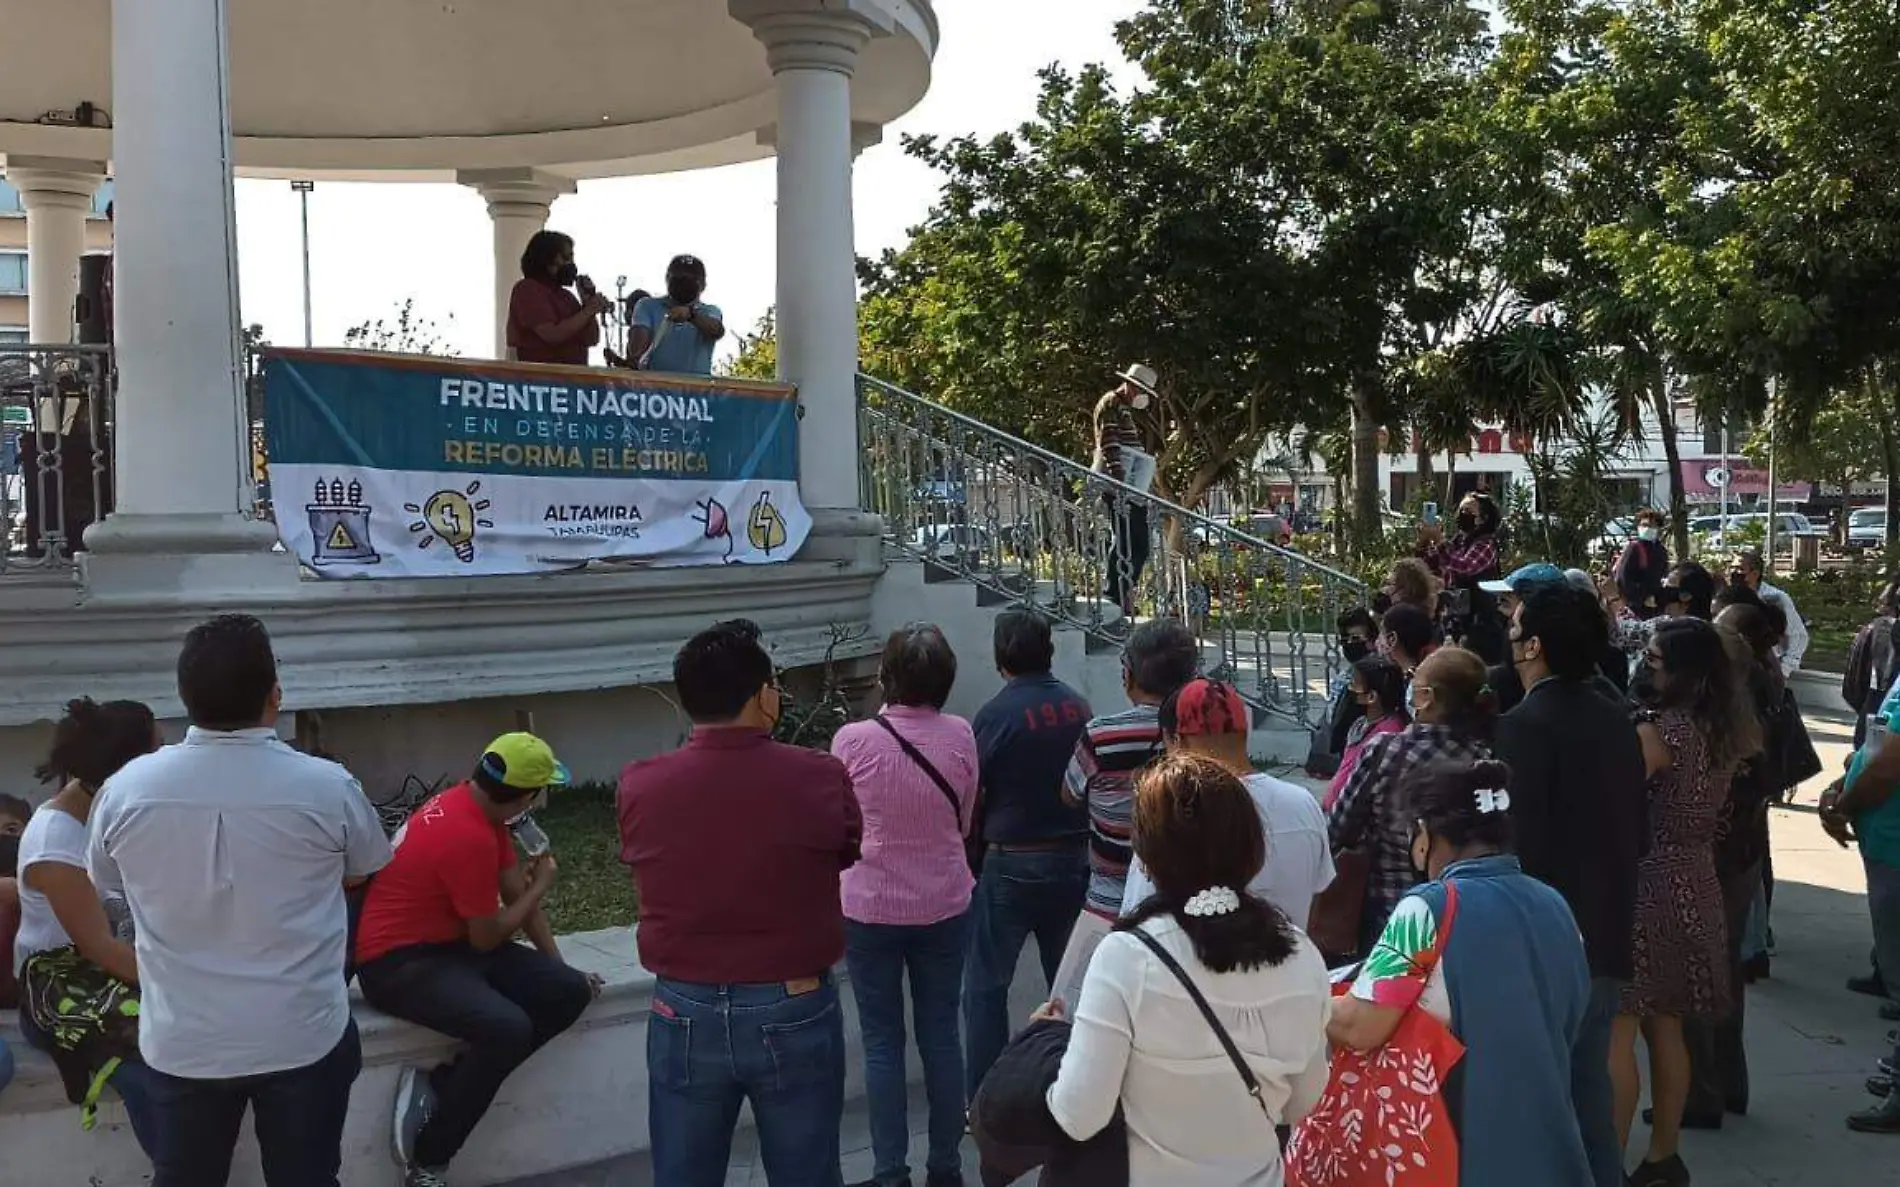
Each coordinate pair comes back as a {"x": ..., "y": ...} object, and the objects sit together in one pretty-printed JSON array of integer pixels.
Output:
[{"x": 436, "y": 946}]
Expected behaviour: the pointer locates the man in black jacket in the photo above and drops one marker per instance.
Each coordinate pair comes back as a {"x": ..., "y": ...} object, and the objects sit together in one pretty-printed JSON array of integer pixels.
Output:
[{"x": 1579, "y": 809}]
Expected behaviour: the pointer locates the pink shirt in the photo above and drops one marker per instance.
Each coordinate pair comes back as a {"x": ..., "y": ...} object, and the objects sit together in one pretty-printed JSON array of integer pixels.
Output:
[{"x": 913, "y": 870}]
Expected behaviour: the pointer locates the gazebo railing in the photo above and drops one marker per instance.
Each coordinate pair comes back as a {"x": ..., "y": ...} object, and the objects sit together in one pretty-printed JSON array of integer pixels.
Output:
[{"x": 55, "y": 451}]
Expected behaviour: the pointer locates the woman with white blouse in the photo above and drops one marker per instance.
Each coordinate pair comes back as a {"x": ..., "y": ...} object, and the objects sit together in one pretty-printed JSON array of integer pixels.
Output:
[{"x": 1140, "y": 1038}]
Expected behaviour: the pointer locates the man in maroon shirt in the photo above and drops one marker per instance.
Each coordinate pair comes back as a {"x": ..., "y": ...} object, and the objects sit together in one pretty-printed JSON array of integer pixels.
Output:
[
  {"x": 736, "y": 844},
  {"x": 546, "y": 323}
]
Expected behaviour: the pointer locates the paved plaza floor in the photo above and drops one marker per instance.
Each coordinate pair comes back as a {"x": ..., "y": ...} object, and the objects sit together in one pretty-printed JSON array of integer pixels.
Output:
[{"x": 1811, "y": 1044}]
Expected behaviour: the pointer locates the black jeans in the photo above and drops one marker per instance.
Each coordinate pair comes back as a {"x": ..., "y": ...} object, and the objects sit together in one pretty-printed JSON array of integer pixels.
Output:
[
  {"x": 1718, "y": 1062},
  {"x": 505, "y": 1004},
  {"x": 1130, "y": 553},
  {"x": 298, "y": 1115}
]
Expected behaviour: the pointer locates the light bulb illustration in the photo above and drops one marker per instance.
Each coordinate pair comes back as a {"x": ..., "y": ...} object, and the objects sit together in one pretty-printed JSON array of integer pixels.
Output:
[{"x": 452, "y": 517}]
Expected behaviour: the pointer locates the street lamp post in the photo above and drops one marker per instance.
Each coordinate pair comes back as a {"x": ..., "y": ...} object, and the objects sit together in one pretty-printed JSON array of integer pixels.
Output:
[{"x": 302, "y": 189}]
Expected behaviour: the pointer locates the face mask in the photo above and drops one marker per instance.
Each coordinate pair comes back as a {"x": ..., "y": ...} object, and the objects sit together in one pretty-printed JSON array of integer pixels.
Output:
[
  {"x": 1467, "y": 522},
  {"x": 1649, "y": 535},
  {"x": 567, "y": 274},
  {"x": 683, "y": 290},
  {"x": 1141, "y": 401},
  {"x": 1354, "y": 648}
]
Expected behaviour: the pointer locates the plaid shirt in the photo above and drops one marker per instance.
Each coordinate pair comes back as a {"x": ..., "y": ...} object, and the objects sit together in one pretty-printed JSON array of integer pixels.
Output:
[
  {"x": 1462, "y": 558},
  {"x": 1370, "y": 811}
]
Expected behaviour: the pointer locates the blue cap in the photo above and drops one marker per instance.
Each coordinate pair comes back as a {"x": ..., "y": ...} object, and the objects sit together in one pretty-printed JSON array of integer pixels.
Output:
[{"x": 1541, "y": 573}]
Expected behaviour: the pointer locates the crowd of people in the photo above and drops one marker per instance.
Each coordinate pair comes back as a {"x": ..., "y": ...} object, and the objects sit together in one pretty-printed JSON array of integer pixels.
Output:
[{"x": 1524, "y": 864}]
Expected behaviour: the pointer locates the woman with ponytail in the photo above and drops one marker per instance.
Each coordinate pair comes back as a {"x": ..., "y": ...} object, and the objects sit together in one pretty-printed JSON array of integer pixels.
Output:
[
  {"x": 1467, "y": 1019},
  {"x": 1203, "y": 1014},
  {"x": 78, "y": 977}
]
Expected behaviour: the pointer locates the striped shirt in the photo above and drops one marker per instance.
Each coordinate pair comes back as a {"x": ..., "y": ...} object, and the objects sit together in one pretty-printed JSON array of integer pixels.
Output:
[
  {"x": 914, "y": 870},
  {"x": 1101, "y": 777},
  {"x": 1114, "y": 431}
]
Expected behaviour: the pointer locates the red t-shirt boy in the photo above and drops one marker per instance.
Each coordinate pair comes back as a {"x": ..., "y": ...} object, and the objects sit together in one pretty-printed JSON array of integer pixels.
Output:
[{"x": 435, "y": 946}]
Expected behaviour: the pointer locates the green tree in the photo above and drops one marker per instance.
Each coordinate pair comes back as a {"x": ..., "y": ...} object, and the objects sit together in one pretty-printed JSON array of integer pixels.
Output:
[{"x": 758, "y": 351}]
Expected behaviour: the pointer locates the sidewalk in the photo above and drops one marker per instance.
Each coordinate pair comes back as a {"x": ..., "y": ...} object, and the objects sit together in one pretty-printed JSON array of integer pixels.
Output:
[{"x": 1810, "y": 1042}]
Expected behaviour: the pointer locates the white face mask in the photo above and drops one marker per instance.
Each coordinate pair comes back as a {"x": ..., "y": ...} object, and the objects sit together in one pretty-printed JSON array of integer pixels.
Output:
[
  {"x": 1649, "y": 535},
  {"x": 1141, "y": 401}
]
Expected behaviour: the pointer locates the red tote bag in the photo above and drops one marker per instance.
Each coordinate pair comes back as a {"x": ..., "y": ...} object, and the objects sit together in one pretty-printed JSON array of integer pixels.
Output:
[{"x": 1383, "y": 1121}]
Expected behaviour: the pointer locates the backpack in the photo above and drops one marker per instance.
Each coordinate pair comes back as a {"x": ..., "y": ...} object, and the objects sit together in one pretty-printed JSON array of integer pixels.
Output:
[{"x": 91, "y": 1018}]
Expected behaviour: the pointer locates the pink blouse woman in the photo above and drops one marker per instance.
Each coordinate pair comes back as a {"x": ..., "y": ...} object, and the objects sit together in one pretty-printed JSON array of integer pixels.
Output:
[{"x": 1378, "y": 685}]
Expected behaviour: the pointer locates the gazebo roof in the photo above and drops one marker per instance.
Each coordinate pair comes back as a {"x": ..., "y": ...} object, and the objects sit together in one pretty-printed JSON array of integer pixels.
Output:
[{"x": 424, "y": 89}]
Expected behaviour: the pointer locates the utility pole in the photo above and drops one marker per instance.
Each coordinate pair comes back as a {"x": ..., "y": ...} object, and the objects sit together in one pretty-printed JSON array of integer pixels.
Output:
[
  {"x": 1773, "y": 389},
  {"x": 303, "y": 189}
]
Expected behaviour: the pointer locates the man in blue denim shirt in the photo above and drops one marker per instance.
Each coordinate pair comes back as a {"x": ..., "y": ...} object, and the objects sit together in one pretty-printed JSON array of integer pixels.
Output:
[{"x": 1035, "y": 872}]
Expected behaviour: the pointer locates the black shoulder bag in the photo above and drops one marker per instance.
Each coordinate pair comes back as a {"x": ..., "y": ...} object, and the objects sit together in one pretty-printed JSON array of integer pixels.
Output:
[
  {"x": 973, "y": 840},
  {"x": 1220, "y": 1032}
]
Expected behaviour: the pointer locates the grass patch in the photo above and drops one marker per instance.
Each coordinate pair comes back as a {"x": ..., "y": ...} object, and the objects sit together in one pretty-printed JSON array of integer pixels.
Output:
[{"x": 593, "y": 890}]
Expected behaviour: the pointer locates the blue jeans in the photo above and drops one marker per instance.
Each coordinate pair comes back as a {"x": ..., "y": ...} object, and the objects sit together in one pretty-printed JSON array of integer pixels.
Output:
[
  {"x": 1590, "y": 1088},
  {"x": 297, "y": 1114},
  {"x": 132, "y": 1081},
  {"x": 879, "y": 955},
  {"x": 1032, "y": 892},
  {"x": 712, "y": 1047}
]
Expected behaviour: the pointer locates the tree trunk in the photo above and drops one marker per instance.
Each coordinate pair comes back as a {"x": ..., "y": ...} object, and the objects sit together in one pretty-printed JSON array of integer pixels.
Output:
[
  {"x": 1451, "y": 483},
  {"x": 1672, "y": 457},
  {"x": 1890, "y": 453},
  {"x": 1365, "y": 468},
  {"x": 1427, "y": 472}
]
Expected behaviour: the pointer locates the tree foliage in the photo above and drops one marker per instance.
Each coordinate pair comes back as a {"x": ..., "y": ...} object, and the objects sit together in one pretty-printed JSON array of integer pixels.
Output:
[
  {"x": 406, "y": 332},
  {"x": 758, "y": 351}
]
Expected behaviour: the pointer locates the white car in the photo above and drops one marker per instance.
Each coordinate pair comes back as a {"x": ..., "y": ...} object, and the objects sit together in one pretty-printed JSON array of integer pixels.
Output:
[
  {"x": 1867, "y": 528},
  {"x": 1788, "y": 524}
]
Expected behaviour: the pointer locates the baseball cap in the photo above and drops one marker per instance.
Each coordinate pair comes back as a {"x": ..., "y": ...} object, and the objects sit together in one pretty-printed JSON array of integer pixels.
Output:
[
  {"x": 1540, "y": 573},
  {"x": 522, "y": 762},
  {"x": 1206, "y": 707},
  {"x": 691, "y": 265}
]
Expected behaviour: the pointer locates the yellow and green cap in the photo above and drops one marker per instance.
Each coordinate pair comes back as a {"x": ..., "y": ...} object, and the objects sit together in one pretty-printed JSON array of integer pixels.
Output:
[{"x": 523, "y": 762}]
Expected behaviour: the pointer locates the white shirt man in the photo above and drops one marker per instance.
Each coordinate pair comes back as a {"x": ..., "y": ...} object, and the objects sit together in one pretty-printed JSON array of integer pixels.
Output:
[
  {"x": 233, "y": 851},
  {"x": 1207, "y": 717}
]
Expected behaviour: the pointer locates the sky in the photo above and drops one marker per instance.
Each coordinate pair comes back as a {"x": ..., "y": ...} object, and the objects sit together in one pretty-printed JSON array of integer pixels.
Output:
[{"x": 374, "y": 245}]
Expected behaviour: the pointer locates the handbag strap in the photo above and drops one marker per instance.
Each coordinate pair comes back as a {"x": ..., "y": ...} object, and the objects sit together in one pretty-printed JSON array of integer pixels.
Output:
[
  {"x": 929, "y": 768},
  {"x": 1207, "y": 1011}
]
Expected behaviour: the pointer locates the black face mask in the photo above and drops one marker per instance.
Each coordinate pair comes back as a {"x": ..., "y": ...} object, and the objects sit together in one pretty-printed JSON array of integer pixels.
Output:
[
  {"x": 683, "y": 290},
  {"x": 1467, "y": 522},
  {"x": 567, "y": 274},
  {"x": 1381, "y": 602},
  {"x": 1354, "y": 649}
]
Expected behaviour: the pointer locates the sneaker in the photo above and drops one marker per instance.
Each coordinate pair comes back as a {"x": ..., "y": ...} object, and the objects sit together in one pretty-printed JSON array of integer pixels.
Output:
[
  {"x": 1882, "y": 1118},
  {"x": 415, "y": 1104},
  {"x": 1870, "y": 986},
  {"x": 1879, "y": 1085},
  {"x": 426, "y": 1176},
  {"x": 1664, "y": 1172}
]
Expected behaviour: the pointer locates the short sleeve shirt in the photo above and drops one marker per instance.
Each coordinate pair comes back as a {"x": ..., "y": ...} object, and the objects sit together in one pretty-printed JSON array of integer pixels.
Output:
[
  {"x": 446, "y": 871},
  {"x": 682, "y": 349},
  {"x": 51, "y": 837},
  {"x": 1101, "y": 777},
  {"x": 536, "y": 303},
  {"x": 1393, "y": 974}
]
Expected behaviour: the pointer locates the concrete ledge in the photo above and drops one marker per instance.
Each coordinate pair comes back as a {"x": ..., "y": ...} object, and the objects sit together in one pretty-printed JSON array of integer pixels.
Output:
[{"x": 581, "y": 1100}]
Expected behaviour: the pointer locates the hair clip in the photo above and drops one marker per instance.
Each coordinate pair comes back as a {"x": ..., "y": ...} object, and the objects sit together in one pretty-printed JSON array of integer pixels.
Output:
[
  {"x": 1493, "y": 799},
  {"x": 1215, "y": 900}
]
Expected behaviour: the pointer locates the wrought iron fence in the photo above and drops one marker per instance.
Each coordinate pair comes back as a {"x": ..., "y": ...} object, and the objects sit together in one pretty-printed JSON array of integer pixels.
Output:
[
  {"x": 55, "y": 451},
  {"x": 1032, "y": 527}
]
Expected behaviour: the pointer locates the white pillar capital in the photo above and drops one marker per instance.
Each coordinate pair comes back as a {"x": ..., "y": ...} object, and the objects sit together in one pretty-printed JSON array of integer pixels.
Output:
[
  {"x": 813, "y": 34},
  {"x": 55, "y": 183}
]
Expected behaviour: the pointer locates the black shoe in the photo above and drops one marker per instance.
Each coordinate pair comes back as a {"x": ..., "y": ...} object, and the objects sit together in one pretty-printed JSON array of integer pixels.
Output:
[
  {"x": 1691, "y": 1120},
  {"x": 1871, "y": 985},
  {"x": 1738, "y": 1108},
  {"x": 936, "y": 1180},
  {"x": 1879, "y": 1085},
  {"x": 1666, "y": 1172},
  {"x": 415, "y": 1104},
  {"x": 1755, "y": 968},
  {"x": 1882, "y": 1118},
  {"x": 874, "y": 1181},
  {"x": 1890, "y": 1011}
]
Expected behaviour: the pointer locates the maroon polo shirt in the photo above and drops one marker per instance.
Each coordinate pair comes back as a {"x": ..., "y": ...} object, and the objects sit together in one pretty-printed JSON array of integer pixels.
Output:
[
  {"x": 736, "y": 844},
  {"x": 540, "y": 303}
]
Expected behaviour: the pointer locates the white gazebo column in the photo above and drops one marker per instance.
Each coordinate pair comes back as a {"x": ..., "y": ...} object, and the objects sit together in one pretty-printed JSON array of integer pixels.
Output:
[
  {"x": 518, "y": 204},
  {"x": 57, "y": 195},
  {"x": 812, "y": 47},
  {"x": 182, "y": 456}
]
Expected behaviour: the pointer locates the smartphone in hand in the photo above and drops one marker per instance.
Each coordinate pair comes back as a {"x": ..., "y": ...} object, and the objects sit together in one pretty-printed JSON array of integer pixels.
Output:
[{"x": 1429, "y": 515}]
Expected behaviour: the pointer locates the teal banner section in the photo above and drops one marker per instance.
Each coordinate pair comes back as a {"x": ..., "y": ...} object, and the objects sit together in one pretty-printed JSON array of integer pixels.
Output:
[{"x": 414, "y": 413}]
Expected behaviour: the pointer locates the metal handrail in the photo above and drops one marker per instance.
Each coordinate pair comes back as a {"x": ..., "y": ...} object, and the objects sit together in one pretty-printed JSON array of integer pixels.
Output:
[{"x": 1077, "y": 544}]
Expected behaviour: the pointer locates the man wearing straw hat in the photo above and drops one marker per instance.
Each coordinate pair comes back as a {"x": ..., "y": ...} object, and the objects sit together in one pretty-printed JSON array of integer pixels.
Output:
[{"x": 1120, "y": 454}]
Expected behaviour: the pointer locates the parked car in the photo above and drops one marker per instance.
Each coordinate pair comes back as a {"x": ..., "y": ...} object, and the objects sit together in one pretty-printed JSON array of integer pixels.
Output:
[
  {"x": 1867, "y": 528},
  {"x": 1269, "y": 526},
  {"x": 951, "y": 543},
  {"x": 1788, "y": 524},
  {"x": 1617, "y": 534}
]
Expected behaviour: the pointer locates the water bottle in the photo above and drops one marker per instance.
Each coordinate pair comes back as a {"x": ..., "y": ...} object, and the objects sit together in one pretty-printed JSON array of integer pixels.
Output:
[{"x": 534, "y": 841}]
